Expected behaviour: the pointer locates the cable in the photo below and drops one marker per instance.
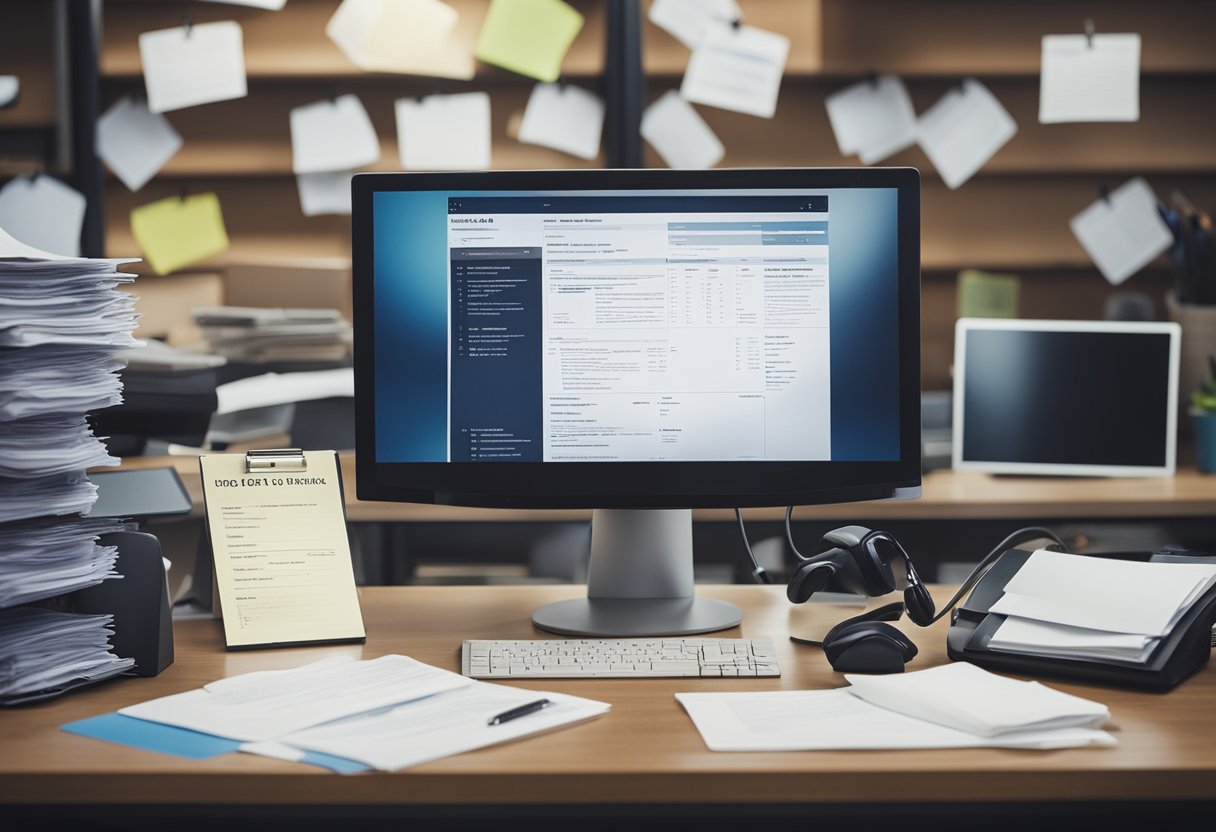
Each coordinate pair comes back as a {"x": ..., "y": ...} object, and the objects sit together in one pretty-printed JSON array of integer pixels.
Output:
[
  {"x": 758, "y": 573},
  {"x": 789, "y": 534}
]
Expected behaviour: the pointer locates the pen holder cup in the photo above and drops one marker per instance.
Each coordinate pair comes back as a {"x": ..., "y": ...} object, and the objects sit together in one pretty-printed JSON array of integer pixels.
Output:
[
  {"x": 1198, "y": 324},
  {"x": 1205, "y": 440}
]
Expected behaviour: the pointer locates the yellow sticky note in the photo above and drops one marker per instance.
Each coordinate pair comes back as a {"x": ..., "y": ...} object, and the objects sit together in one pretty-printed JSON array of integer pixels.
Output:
[
  {"x": 984, "y": 295},
  {"x": 413, "y": 37},
  {"x": 528, "y": 36},
  {"x": 176, "y": 232}
]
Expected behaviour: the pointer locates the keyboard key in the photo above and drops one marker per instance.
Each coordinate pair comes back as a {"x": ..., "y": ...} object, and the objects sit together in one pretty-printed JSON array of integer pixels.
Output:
[{"x": 619, "y": 658}]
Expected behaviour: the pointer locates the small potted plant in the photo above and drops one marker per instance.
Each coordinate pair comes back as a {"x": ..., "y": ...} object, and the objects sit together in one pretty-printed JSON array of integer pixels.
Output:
[{"x": 1203, "y": 412}]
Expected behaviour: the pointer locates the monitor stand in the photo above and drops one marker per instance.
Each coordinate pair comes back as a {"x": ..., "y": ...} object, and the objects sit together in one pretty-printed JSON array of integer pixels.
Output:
[{"x": 639, "y": 582}]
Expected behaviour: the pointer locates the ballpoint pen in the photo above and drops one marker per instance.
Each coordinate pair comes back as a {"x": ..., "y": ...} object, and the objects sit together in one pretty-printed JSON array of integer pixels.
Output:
[{"x": 516, "y": 713}]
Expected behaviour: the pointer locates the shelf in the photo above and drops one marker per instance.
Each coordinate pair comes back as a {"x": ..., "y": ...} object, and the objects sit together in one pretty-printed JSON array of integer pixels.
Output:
[
  {"x": 293, "y": 43},
  {"x": 27, "y": 47}
]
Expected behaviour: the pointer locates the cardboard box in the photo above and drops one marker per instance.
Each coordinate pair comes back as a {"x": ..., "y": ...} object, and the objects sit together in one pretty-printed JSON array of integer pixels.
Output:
[
  {"x": 166, "y": 304},
  {"x": 310, "y": 283}
]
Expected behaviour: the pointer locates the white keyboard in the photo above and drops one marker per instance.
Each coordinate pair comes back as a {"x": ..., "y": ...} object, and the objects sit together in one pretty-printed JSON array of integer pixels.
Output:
[{"x": 618, "y": 657}]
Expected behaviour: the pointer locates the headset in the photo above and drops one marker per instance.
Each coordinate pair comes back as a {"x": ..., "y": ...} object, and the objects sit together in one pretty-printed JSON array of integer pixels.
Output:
[{"x": 873, "y": 563}]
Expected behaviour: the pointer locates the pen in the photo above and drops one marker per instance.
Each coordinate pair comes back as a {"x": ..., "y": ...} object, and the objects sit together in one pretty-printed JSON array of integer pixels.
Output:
[{"x": 516, "y": 713}]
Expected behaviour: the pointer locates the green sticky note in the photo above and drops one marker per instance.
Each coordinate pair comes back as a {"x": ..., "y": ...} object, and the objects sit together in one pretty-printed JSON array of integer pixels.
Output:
[
  {"x": 528, "y": 36},
  {"x": 984, "y": 295},
  {"x": 176, "y": 231}
]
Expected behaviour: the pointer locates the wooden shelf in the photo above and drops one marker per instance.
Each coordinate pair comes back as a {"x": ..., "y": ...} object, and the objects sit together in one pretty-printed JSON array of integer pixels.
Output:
[
  {"x": 27, "y": 47},
  {"x": 293, "y": 43}
]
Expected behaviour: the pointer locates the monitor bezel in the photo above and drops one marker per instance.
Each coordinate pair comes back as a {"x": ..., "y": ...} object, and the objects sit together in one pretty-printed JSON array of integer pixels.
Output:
[
  {"x": 965, "y": 326},
  {"x": 639, "y": 484}
]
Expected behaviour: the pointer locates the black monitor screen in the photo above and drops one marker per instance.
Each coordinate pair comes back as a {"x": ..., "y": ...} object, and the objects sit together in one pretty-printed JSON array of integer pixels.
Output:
[{"x": 1067, "y": 398}]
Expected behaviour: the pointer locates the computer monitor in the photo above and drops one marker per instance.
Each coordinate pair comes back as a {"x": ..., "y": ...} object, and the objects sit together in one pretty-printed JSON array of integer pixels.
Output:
[{"x": 639, "y": 342}]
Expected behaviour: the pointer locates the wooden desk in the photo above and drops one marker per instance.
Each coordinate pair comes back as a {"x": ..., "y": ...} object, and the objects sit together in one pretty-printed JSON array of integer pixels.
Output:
[
  {"x": 643, "y": 753},
  {"x": 947, "y": 495}
]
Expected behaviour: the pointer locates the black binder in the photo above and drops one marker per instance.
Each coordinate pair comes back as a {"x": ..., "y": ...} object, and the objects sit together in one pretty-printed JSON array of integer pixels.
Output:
[{"x": 1179, "y": 654}]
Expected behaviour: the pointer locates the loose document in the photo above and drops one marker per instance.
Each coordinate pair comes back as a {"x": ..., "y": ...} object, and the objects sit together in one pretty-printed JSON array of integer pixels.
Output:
[
  {"x": 388, "y": 713},
  {"x": 953, "y": 706}
]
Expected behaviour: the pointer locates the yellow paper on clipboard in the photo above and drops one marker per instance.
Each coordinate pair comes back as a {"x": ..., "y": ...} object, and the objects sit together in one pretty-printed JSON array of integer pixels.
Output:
[{"x": 283, "y": 570}]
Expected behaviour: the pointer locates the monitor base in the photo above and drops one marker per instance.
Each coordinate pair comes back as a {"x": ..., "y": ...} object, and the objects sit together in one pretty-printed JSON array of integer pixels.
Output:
[{"x": 636, "y": 617}]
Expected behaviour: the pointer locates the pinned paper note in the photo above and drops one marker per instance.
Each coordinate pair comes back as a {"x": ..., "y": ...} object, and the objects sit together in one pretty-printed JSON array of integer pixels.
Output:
[
  {"x": 10, "y": 90},
  {"x": 444, "y": 132},
  {"x": 134, "y": 141},
  {"x": 178, "y": 231},
  {"x": 565, "y": 118},
  {"x": 530, "y": 37},
  {"x": 411, "y": 37},
  {"x": 688, "y": 20},
  {"x": 324, "y": 193},
  {"x": 1123, "y": 232},
  {"x": 963, "y": 130},
  {"x": 737, "y": 69},
  {"x": 1090, "y": 78},
  {"x": 272, "y": 5},
  {"x": 43, "y": 212},
  {"x": 193, "y": 65},
  {"x": 873, "y": 118},
  {"x": 332, "y": 135},
  {"x": 678, "y": 133},
  {"x": 984, "y": 295}
]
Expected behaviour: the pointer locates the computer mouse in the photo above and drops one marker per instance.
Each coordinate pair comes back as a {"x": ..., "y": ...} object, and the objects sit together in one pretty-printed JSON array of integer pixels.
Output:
[{"x": 868, "y": 647}]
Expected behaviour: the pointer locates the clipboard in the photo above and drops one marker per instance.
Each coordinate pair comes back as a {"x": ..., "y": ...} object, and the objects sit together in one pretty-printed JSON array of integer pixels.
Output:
[
  {"x": 276, "y": 527},
  {"x": 1180, "y": 654}
]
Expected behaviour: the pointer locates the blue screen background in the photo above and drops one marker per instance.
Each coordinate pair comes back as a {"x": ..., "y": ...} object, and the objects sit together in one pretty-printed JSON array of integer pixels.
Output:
[{"x": 411, "y": 328}]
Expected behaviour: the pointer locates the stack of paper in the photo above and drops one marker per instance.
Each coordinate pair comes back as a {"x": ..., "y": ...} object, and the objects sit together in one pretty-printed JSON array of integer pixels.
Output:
[
  {"x": 1097, "y": 608},
  {"x": 386, "y": 713},
  {"x": 952, "y": 706},
  {"x": 43, "y": 653},
  {"x": 62, "y": 322},
  {"x": 262, "y": 335}
]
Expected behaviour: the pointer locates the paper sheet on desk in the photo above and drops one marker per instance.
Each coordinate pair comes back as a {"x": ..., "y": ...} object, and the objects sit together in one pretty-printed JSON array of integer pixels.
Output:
[
  {"x": 439, "y": 726},
  {"x": 836, "y": 720},
  {"x": 271, "y": 704},
  {"x": 1104, "y": 594}
]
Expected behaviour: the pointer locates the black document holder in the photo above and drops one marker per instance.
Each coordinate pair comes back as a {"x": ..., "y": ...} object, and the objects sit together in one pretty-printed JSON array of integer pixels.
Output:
[{"x": 1179, "y": 654}]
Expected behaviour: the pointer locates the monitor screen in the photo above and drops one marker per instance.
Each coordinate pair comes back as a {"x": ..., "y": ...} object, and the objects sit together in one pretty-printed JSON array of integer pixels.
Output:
[
  {"x": 649, "y": 338},
  {"x": 1066, "y": 397}
]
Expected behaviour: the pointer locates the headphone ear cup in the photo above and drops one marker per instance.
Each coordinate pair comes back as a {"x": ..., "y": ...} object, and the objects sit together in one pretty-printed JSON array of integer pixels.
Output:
[
  {"x": 919, "y": 605},
  {"x": 810, "y": 578}
]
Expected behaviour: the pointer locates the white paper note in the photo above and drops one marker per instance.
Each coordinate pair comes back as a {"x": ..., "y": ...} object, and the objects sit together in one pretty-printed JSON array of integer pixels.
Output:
[
  {"x": 821, "y": 720},
  {"x": 272, "y": 5},
  {"x": 569, "y": 119},
  {"x": 10, "y": 88},
  {"x": 688, "y": 20},
  {"x": 678, "y": 133},
  {"x": 1123, "y": 233},
  {"x": 327, "y": 192},
  {"x": 737, "y": 69},
  {"x": 1104, "y": 594},
  {"x": 184, "y": 67},
  {"x": 444, "y": 132},
  {"x": 873, "y": 119},
  {"x": 963, "y": 130},
  {"x": 44, "y": 213},
  {"x": 1081, "y": 81},
  {"x": 135, "y": 142},
  {"x": 332, "y": 135},
  {"x": 405, "y": 36}
]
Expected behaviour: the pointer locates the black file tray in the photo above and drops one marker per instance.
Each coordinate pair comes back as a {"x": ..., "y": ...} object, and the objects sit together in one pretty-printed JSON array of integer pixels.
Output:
[{"x": 1180, "y": 654}]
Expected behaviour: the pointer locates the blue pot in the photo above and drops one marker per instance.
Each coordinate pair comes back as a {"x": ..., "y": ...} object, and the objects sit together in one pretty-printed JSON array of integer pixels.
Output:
[{"x": 1205, "y": 441}]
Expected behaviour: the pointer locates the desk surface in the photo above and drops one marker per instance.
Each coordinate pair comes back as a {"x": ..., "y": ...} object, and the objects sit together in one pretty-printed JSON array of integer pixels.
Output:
[
  {"x": 645, "y": 750},
  {"x": 947, "y": 495}
]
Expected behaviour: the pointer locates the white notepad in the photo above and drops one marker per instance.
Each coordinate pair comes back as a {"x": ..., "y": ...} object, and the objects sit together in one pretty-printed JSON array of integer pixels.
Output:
[
  {"x": 1085, "y": 79},
  {"x": 187, "y": 66},
  {"x": 1123, "y": 233}
]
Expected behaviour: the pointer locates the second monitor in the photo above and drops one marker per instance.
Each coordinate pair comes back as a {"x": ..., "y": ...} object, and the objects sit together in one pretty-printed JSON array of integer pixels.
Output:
[{"x": 641, "y": 343}]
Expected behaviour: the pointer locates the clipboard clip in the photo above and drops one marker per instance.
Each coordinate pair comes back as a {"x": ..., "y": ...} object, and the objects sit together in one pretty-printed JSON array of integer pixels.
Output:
[{"x": 275, "y": 459}]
